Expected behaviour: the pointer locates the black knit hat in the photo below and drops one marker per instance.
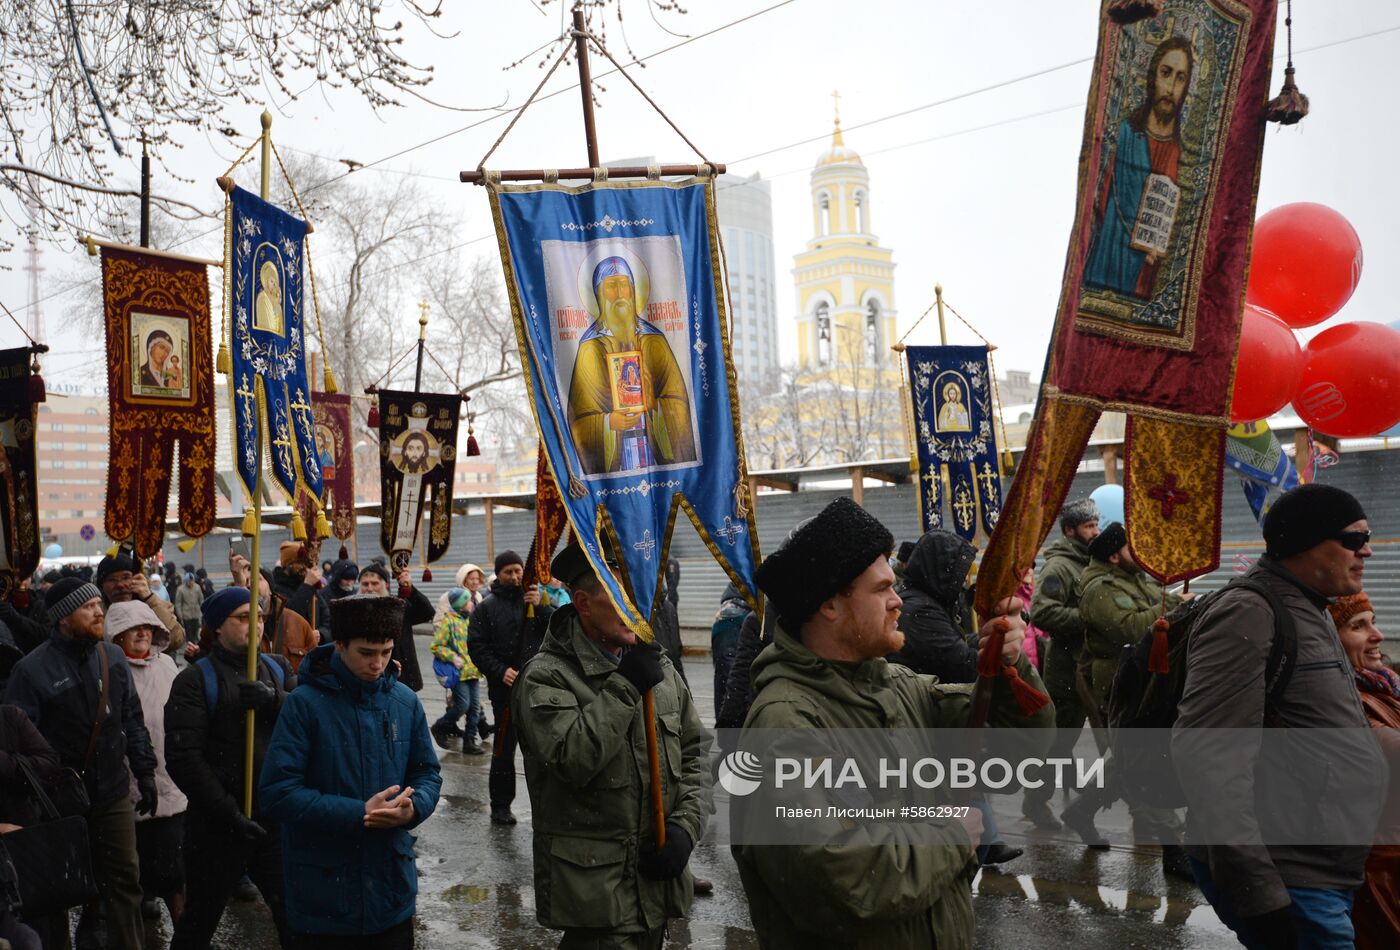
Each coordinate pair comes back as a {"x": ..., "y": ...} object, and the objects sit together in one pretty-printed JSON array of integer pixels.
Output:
[
  {"x": 1109, "y": 542},
  {"x": 905, "y": 549},
  {"x": 110, "y": 565},
  {"x": 506, "y": 559},
  {"x": 67, "y": 596},
  {"x": 820, "y": 558},
  {"x": 1307, "y": 516},
  {"x": 366, "y": 617},
  {"x": 374, "y": 567}
]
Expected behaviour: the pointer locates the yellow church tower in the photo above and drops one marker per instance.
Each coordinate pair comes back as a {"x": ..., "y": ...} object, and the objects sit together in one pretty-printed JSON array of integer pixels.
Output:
[{"x": 845, "y": 279}]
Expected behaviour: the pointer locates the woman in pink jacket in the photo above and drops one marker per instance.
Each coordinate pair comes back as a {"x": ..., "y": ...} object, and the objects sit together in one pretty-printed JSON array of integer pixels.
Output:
[{"x": 135, "y": 628}]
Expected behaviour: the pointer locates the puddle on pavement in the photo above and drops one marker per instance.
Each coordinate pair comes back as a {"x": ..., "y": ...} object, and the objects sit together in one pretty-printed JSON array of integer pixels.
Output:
[{"x": 1098, "y": 899}]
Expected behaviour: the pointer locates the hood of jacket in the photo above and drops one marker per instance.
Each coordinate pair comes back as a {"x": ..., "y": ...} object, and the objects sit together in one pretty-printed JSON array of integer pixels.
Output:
[
  {"x": 466, "y": 569},
  {"x": 938, "y": 566},
  {"x": 324, "y": 670},
  {"x": 849, "y": 684},
  {"x": 1069, "y": 547}
]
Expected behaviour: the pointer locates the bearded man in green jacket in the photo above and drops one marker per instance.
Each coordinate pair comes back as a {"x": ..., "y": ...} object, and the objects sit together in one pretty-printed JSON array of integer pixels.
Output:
[
  {"x": 886, "y": 885},
  {"x": 577, "y": 704}
]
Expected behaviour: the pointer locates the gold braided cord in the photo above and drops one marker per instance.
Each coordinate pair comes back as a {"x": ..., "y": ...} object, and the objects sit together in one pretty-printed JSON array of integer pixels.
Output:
[
  {"x": 521, "y": 111},
  {"x": 1000, "y": 421},
  {"x": 916, "y": 323},
  {"x": 311, "y": 271}
]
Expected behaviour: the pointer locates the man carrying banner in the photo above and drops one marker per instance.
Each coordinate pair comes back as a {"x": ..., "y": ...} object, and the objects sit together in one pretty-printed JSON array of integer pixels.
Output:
[
  {"x": 506, "y": 630},
  {"x": 833, "y": 588},
  {"x": 599, "y": 876},
  {"x": 120, "y": 579}
]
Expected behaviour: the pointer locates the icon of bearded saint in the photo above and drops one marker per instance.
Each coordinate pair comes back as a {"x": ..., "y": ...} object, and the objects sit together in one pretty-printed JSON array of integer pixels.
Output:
[
  {"x": 599, "y": 427},
  {"x": 417, "y": 455}
]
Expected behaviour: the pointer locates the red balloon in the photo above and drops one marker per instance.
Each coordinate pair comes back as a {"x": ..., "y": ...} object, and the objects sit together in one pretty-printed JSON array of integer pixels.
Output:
[
  {"x": 1305, "y": 264},
  {"x": 1351, "y": 380},
  {"x": 1269, "y": 366}
]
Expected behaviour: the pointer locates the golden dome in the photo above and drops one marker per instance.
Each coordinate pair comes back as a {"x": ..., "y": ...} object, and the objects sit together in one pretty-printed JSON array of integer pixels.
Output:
[{"x": 839, "y": 153}]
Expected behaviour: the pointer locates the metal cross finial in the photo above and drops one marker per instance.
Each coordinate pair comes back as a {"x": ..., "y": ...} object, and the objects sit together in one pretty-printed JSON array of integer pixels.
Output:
[
  {"x": 422, "y": 317},
  {"x": 836, "y": 99}
]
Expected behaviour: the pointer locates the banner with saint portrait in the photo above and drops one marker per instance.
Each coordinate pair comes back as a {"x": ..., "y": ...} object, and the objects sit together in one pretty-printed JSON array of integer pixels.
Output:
[
  {"x": 1149, "y": 316},
  {"x": 330, "y": 414},
  {"x": 417, "y": 459},
  {"x": 19, "y": 488},
  {"x": 160, "y": 395},
  {"x": 268, "y": 385},
  {"x": 955, "y": 442},
  {"x": 615, "y": 290}
]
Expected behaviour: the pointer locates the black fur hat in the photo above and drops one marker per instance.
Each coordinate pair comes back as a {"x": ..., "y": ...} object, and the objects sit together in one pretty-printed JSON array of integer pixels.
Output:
[
  {"x": 1109, "y": 542},
  {"x": 820, "y": 558},
  {"x": 366, "y": 617}
]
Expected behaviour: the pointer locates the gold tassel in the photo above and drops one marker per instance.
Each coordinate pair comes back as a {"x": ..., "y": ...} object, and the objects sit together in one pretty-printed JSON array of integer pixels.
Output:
[
  {"x": 298, "y": 527},
  {"x": 186, "y": 545},
  {"x": 323, "y": 525},
  {"x": 331, "y": 387},
  {"x": 223, "y": 362},
  {"x": 250, "y": 523}
]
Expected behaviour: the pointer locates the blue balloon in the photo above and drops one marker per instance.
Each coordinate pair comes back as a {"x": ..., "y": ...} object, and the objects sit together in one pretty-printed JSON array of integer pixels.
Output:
[
  {"x": 1109, "y": 498},
  {"x": 1394, "y": 431},
  {"x": 53, "y": 551}
]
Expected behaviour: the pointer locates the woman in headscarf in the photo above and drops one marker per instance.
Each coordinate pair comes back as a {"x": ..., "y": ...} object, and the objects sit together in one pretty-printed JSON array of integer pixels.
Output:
[
  {"x": 158, "y": 370},
  {"x": 1376, "y": 911}
]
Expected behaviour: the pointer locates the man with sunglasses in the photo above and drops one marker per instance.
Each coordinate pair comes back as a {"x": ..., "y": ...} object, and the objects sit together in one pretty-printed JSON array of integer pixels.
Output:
[{"x": 1281, "y": 812}]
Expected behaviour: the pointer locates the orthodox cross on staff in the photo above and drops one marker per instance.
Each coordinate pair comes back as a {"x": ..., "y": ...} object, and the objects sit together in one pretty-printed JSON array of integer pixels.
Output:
[{"x": 594, "y": 171}]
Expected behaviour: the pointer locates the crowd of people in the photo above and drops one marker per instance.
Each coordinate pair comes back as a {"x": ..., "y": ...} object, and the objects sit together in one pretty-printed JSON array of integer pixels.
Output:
[{"x": 128, "y": 696}]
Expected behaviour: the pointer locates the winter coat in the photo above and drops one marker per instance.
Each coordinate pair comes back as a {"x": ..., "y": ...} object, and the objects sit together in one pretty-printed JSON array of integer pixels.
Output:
[
  {"x": 450, "y": 640},
  {"x": 1118, "y": 608},
  {"x": 57, "y": 686},
  {"x": 153, "y": 676},
  {"x": 581, "y": 730},
  {"x": 738, "y": 690},
  {"x": 883, "y": 891},
  {"x": 19, "y": 740},
  {"x": 286, "y": 633},
  {"x": 332, "y": 591},
  {"x": 10, "y": 654},
  {"x": 930, "y": 618},
  {"x": 666, "y": 629},
  {"x": 30, "y": 627},
  {"x": 1332, "y": 780},
  {"x": 339, "y": 742},
  {"x": 1054, "y": 608},
  {"x": 298, "y": 594},
  {"x": 417, "y": 609},
  {"x": 499, "y": 637},
  {"x": 188, "y": 598},
  {"x": 204, "y": 752}
]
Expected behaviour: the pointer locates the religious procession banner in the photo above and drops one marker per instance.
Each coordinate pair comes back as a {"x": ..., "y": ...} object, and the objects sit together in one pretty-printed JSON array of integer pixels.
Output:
[
  {"x": 160, "y": 394},
  {"x": 1149, "y": 317},
  {"x": 330, "y": 414},
  {"x": 551, "y": 519},
  {"x": 19, "y": 489},
  {"x": 417, "y": 459},
  {"x": 955, "y": 437},
  {"x": 1253, "y": 451},
  {"x": 268, "y": 384},
  {"x": 614, "y": 290}
]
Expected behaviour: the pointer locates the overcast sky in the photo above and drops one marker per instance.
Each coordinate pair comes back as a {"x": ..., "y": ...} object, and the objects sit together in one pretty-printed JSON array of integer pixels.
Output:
[{"x": 976, "y": 193}]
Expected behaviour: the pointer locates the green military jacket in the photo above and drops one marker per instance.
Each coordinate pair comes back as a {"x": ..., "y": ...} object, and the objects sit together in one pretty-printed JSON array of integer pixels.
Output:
[
  {"x": 585, "y": 749},
  {"x": 1118, "y": 608},
  {"x": 885, "y": 892},
  {"x": 1054, "y": 607}
]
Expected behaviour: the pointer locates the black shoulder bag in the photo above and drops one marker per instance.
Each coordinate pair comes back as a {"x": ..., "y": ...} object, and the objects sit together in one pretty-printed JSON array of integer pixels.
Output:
[{"x": 51, "y": 861}]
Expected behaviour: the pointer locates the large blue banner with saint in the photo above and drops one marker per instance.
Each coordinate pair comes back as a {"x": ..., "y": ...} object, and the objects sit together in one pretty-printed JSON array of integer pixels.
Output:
[
  {"x": 264, "y": 282},
  {"x": 613, "y": 286},
  {"x": 955, "y": 440}
]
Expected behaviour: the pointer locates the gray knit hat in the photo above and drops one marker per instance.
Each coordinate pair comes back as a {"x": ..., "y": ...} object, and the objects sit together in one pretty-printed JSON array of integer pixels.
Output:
[
  {"x": 67, "y": 596},
  {"x": 1077, "y": 512}
]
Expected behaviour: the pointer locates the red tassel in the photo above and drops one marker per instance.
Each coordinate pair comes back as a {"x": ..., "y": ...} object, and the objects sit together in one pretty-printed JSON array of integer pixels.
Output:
[
  {"x": 373, "y": 418},
  {"x": 989, "y": 657},
  {"x": 1159, "y": 660},
  {"x": 472, "y": 447},
  {"x": 427, "y": 575},
  {"x": 1028, "y": 699},
  {"x": 37, "y": 392},
  {"x": 20, "y": 598},
  {"x": 1124, "y": 12},
  {"x": 344, "y": 553}
]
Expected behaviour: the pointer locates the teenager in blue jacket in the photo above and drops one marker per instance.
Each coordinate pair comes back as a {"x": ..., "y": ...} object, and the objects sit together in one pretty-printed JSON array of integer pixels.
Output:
[{"x": 350, "y": 769}]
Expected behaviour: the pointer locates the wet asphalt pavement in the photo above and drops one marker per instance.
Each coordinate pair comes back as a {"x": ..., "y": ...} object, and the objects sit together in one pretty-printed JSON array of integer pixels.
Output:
[{"x": 476, "y": 890}]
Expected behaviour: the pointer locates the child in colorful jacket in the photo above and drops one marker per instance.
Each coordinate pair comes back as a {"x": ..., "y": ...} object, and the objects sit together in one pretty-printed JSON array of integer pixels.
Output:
[{"x": 457, "y": 674}]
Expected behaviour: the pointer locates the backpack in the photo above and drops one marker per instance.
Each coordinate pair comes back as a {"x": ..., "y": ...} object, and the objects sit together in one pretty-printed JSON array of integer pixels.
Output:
[
  {"x": 211, "y": 677},
  {"x": 1143, "y": 705}
]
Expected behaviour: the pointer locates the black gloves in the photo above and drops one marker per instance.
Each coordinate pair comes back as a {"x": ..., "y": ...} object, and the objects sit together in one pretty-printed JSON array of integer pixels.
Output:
[
  {"x": 255, "y": 694},
  {"x": 146, "y": 788},
  {"x": 247, "y": 828},
  {"x": 1275, "y": 930},
  {"x": 668, "y": 862},
  {"x": 641, "y": 666}
]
